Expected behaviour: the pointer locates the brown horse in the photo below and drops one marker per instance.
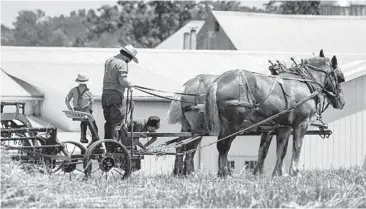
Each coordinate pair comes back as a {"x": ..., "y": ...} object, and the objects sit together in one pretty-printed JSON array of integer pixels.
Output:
[
  {"x": 188, "y": 110},
  {"x": 239, "y": 98}
]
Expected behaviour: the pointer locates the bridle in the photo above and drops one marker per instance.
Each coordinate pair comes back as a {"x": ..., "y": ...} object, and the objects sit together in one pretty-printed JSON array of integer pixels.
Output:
[{"x": 331, "y": 78}]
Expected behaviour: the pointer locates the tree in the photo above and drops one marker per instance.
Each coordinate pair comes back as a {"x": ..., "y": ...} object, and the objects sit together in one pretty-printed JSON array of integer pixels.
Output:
[
  {"x": 294, "y": 7},
  {"x": 25, "y": 32},
  {"x": 7, "y": 36},
  {"x": 141, "y": 23},
  {"x": 58, "y": 38}
]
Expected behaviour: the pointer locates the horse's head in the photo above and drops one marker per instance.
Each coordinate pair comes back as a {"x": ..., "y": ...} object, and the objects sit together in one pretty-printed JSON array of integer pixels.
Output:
[{"x": 332, "y": 78}]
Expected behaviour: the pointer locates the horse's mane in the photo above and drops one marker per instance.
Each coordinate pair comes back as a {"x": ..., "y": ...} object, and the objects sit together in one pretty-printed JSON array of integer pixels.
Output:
[{"x": 318, "y": 61}]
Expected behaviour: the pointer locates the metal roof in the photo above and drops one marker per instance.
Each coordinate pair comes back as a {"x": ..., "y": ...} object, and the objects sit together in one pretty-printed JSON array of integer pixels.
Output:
[
  {"x": 56, "y": 68},
  {"x": 15, "y": 89},
  {"x": 294, "y": 33},
  {"x": 175, "y": 41}
]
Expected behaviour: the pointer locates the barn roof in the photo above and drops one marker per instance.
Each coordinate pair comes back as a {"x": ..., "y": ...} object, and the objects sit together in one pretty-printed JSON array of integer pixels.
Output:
[
  {"x": 56, "y": 68},
  {"x": 14, "y": 89},
  {"x": 293, "y": 33},
  {"x": 175, "y": 41}
]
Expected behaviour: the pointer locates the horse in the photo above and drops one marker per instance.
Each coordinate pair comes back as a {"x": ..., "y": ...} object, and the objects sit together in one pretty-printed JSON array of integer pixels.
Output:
[
  {"x": 188, "y": 110},
  {"x": 238, "y": 99}
]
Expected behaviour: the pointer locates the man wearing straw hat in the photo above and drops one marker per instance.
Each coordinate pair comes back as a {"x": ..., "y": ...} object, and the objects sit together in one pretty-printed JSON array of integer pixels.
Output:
[
  {"x": 82, "y": 101},
  {"x": 114, "y": 84}
]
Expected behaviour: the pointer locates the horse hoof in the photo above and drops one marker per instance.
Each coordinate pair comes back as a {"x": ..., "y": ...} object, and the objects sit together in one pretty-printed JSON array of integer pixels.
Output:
[
  {"x": 295, "y": 174},
  {"x": 223, "y": 173},
  {"x": 178, "y": 172}
]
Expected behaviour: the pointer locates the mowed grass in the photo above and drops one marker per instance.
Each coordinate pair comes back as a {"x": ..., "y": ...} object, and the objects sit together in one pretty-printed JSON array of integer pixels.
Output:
[{"x": 315, "y": 188}]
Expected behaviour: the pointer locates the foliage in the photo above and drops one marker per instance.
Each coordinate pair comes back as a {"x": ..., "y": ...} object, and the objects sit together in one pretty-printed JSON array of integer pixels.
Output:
[
  {"x": 315, "y": 188},
  {"x": 141, "y": 23},
  {"x": 294, "y": 7}
]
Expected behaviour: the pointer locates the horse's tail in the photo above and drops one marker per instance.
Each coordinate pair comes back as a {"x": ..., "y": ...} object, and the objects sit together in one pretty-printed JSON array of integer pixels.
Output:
[
  {"x": 212, "y": 112},
  {"x": 175, "y": 110}
]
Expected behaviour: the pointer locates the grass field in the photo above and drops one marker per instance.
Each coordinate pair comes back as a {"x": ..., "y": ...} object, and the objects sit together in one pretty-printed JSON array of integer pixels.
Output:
[{"x": 326, "y": 188}]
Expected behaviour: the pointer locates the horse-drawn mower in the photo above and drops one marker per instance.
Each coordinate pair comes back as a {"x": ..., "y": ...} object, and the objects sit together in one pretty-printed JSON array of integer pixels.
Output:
[{"x": 20, "y": 141}]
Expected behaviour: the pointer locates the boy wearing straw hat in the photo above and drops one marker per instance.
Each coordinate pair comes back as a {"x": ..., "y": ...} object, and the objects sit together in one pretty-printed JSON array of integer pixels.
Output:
[
  {"x": 82, "y": 101},
  {"x": 114, "y": 84}
]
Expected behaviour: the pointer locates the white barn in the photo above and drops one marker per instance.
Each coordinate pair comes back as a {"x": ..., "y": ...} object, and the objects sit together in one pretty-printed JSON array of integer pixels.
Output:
[{"x": 53, "y": 71}]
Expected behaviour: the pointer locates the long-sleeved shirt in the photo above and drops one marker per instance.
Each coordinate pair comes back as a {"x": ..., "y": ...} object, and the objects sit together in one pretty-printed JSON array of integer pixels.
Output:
[{"x": 115, "y": 69}]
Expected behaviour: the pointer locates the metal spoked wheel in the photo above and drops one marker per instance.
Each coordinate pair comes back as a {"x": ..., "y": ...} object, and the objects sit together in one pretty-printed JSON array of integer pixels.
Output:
[
  {"x": 107, "y": 158},
  {"x": 71, "y": 150}
]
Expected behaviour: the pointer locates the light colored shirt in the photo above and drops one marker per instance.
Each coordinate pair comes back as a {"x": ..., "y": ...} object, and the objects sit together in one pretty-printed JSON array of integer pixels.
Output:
[
  {"x": 86, "y": 99},
  {"x": 114, "y": 68}
]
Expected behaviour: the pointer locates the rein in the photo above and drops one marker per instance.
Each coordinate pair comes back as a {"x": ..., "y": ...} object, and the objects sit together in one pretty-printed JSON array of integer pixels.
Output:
[
  {"x": 161, "y": 91},
  {"x": 147, "y": 91},
  {"x": 163, "y": 97}
]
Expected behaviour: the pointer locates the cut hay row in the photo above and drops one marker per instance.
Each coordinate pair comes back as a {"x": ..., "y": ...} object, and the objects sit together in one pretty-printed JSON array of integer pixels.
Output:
[{"x": 316, "y": 188}]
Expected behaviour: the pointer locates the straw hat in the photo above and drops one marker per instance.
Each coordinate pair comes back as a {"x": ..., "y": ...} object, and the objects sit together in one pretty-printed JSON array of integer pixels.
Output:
[
  {"x": 131, "y": 51},
  {"x": 82, "y": 79}
]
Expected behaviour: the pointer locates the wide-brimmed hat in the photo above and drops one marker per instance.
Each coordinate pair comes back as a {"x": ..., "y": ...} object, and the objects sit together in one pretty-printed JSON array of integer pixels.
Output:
[
  {"x": 82, "y": 79},
  {"x": 129, "y": 49},
  {"x": 153, "y": 121}
]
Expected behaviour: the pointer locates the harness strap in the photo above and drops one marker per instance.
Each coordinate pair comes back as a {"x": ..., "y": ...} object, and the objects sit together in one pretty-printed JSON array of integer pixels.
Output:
[
  {"x": 80, "y": 96},
  {"x": 270, "y": 92},
  {"x": 201, "y": 79},
  {"x": 251, "y": 102}
]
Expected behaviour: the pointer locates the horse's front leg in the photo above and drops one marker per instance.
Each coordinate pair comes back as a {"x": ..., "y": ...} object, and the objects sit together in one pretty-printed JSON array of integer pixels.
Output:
[
  {"x": 281, "y": 149},
  {"x": 262, "y": 152},
  {"x": 298, "y": 137},
  {"x": 189, "y": 159}
]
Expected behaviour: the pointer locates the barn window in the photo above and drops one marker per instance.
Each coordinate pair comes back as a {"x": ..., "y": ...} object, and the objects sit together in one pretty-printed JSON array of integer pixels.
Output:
[
  {"x": 217, "y": 26},
  {"x": 232, "y": 164},
  {"x": 250, "y": 164}
]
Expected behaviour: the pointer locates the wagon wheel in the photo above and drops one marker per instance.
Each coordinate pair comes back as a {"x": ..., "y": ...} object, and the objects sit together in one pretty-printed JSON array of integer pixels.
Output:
[
  {"x": 73, "y": 150},
  {"x": 107, "y": 158}
]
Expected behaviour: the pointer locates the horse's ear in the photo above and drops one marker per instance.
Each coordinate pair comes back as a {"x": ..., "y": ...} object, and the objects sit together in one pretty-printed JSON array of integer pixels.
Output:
[
  {"x": 334, "y": 62},
  {"x": 321, "y": 54}
]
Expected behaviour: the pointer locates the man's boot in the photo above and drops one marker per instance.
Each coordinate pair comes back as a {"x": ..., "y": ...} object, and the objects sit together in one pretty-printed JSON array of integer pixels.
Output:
[{"x": 83, "y": 138}]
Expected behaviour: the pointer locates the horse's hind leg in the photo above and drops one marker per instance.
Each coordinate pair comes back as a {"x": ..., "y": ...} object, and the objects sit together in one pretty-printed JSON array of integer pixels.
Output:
[
  {"x": 298, "y": 137},
  {"x": 282, "y": 143},
  {"x": 189, "y": 159},
  {"x": 266, "y": 140},
  {"x": 223, "y": 147},
  {"x": 178, "y": 163}
]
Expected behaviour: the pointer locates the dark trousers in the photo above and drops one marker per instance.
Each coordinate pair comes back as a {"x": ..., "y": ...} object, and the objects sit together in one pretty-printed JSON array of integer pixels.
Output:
[
  {"x": 83, "y": 127},
  {"x": 85, "y": 124},
  {"x": 111, "y": 104}
]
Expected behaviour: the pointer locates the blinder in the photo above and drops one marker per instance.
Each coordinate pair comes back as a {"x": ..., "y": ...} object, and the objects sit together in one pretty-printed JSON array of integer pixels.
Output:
[{"x": 335, "y": 83}]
